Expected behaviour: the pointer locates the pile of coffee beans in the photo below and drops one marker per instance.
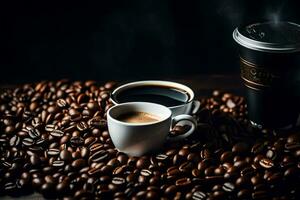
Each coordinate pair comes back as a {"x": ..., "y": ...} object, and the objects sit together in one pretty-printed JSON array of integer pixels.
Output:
[{"x": 54, "y": 140}]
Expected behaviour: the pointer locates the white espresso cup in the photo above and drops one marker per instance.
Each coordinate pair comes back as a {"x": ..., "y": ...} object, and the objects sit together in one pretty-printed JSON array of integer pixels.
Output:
[
  {"x": 190, "y": 106},
  {"x": 136, "y": 139}
]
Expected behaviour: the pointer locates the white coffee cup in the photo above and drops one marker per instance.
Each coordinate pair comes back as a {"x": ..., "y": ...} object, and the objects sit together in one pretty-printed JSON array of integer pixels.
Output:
[
  {"x": 136, "y": 139},
  {"x": 191, "y": 106}
]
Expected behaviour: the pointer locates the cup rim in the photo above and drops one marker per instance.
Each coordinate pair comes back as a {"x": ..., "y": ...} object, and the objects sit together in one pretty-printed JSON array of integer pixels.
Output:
[
  {"x": 166, "y": 117},
  {"x": 155, "y": 83}
]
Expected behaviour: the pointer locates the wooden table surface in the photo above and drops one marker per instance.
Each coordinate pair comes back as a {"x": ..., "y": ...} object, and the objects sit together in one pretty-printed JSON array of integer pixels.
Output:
[{"x": 202, "y": 85}]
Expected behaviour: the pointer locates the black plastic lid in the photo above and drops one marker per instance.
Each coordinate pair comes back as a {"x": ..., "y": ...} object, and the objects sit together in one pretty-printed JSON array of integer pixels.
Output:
[{"x": 269, "y": 36}]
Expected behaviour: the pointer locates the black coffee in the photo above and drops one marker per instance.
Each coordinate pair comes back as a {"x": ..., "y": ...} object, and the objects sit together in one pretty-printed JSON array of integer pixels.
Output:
[{"x": 166, "y": 96}]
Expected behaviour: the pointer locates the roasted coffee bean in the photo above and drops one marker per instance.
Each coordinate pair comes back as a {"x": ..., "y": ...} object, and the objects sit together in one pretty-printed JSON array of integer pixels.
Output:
[
  {"x": 65, "y": 155},
  {"x": 240, "y": 164},
  {"x": 35, "y": 160},
  {"x": 242, "y": 181},
  {"x": 226, "y": 157},
  {"x": 76, "y": 141},
  {"x": 220, "y": 171},
  {"x": 258, "y": 148},
  {"x": 14, "y": 141},
  {"x": 145, "y": 172},
  {"x": 34, "y": 133},
  {"x": 58, "y": 163},
  {"x": 57, "y": 133},
  {"x": 161, "y": 157},
  {"x": 99, "y": 156},
  {"x": 198, "y": 195},
  {"x": 244, "y": 194},
  {"x": 97, "y": 122},
  {"x": 53, "y": 152},
  {"x": 183, "y": 182},
  {"x": 142, "y": 163},
  {"x": 171, "y": 190},
  {"x": 27, "y": 142},
  {"x": 240, "y": 148},
  {"x": 82, "y": 126},
  {"x": 205, "y": 153},
  {"x": 50, "y": 127},
  {"x": 96, "y": 146},
  {"x": 266, "y": 163},
  {"x": 118, "y": 181},
  {"x": 274, "y": 178},
  {"x": 186, "y": 167},
  {"x": 248, "y": 171},
  {"x": 228, "y": 187},
  {"x": 79, "y": 163},
  {"x": 260, "y": 195},
  {"x": 291, "y": 172},
  {"x": 54, "y": 131}
]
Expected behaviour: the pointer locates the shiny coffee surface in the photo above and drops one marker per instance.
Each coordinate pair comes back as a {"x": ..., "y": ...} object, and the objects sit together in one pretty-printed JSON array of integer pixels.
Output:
[{"x": 138, "y": 117}]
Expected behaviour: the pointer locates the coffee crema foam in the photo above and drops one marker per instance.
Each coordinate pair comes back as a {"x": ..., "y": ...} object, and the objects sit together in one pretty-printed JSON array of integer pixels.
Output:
[{"x": 138, "y": 117}]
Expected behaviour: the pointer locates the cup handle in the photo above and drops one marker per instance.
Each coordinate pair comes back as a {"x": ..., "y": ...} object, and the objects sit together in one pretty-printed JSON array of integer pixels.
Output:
[
  {"x": 196, "y": 105},
  {"x": 183, "y": 117}
]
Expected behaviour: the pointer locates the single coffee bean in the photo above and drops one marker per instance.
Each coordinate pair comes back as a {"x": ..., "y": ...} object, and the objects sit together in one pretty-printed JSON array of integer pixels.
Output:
[
  {"x": 226, "y": 157},
  {"x": 82, "y": 126},
  {"x": 161, "y": 157},
  {"x": 291, "y": 172},
  {"x": 27, "y": 142},
  {"x": 118, "y": 181},
  {"x": 61, "y": 103},
  {"x": 35, "y": 160},
  {"x": 255, "y": 180},
  {"x": 34, "y": 133},
  {"x": 205, "y": 153},
  {"x": 53, "y": 152},
  {"x": 248, "y": 171},
  {"x": 260, "y": 195},
  {"x": 266, "y": 163},
  {"x": 79, "y": 163},
  {"x": 84, "y": 152},
  {"x": 240, "y": 148},
  {"x": 76, "y": 141},
  {"x": 171, "y": 190},
  {"x": 65, "y": 155},
  {"x": 240, "y": 164},
  {"x": 99, "y": 156},
  {"x": 50, "y": 127},
  {"x": 228, "y": 187},
  {"x": 242, "y": 181},
  {"x": 199, "y": 195},
  {"x": 57, "y": 133},
  {"x": 220, "y": 171},
  {"x": 258, "y": 148},
  {"x": 274, "y": 178},
  {"x": 145, "y": 172},
  {"x": 186, "y": 167},
  {"x": 58, "y": 163},
  {"x": 183, "y": 182},
  {"x": 244, "y": 194},
  {"x": 14, "y": 141},
  {"x": 142, "y": 163}
]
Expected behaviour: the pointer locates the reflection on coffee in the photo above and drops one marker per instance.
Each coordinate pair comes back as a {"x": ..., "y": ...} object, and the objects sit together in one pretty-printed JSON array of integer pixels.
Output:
[
  {"x": 166, "y": 96},
  {"x": 138, "y": 117}
]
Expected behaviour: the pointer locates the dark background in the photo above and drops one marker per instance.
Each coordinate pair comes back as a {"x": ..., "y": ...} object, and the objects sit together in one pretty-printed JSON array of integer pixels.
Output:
[{"x": 124, "y": 40}]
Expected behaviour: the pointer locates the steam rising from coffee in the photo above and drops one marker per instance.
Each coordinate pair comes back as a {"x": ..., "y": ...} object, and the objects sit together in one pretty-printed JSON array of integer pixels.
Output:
[{"x": 238, "y": 13}]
